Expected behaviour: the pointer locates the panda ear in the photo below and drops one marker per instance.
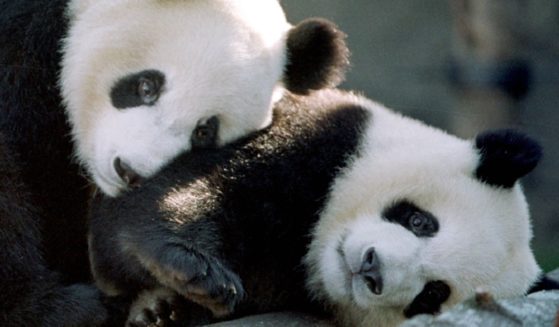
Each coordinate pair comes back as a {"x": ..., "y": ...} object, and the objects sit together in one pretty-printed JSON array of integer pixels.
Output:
[
  {"x": 317, "y": 56},
  {"x": 505, "y": 156}
]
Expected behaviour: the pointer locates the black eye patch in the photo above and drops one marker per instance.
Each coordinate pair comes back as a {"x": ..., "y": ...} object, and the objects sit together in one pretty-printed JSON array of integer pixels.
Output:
[
  {"x": 139, "y": 89},
  {"x": 416, "y": 220}
]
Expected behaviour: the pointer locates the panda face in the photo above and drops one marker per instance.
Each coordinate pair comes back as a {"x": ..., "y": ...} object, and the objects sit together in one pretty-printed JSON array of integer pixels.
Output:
[
  {"x": 418, "y": 235},
  {"x": 409, "y": 212},
  {"x": 146, "y": 80}
]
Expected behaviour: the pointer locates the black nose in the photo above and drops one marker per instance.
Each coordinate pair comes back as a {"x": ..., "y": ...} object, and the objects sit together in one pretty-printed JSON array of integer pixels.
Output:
[
  {"x": 370, "y": 270},
  {"x": 126, "y": 173}
]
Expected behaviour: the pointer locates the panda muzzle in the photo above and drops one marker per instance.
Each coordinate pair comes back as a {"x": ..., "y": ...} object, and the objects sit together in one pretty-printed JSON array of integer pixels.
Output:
[
  {"x": 127, "y": 174},
  {"x": 370, "y": 270}
]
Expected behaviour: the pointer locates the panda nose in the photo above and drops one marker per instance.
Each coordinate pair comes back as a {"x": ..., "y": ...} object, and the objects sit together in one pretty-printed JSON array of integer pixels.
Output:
[
  {"x": 370, "y": 270},
  {"x": 126, "y": 173}
]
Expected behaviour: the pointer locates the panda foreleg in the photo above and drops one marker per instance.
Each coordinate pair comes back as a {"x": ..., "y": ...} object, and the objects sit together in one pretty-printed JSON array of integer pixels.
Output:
[
  {"x": 132, "y": 252},
  {"x": 199, "y": 277}
]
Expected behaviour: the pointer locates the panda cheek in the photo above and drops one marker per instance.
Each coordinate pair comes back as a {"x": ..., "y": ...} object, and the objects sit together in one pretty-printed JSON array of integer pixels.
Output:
[{"x": 333, "y": 271}]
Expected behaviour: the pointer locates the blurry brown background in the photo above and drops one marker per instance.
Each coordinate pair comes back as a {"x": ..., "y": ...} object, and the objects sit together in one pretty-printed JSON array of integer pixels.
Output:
[{"x": 406, "y": 55}]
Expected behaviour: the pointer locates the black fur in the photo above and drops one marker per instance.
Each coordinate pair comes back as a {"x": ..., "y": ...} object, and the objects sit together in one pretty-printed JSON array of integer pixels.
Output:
[
  {"x": 35, "y": 129},
  {"x": 506, "y": 155},
  {"x": 317, "y": 56},
  {"x": 544, "y": 283},
  {"x": 33, "y": 122},
  {"x": 42, "y": 232},
  {"x": 429, "y": 301},
  {"x": 234, "y": 222},
  {"x": 31, "y": 294}
]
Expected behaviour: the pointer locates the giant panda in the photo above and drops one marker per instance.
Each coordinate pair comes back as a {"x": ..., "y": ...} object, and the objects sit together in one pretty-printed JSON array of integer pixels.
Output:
[
  {"x": 112, "y": 90},
  {"x": 162, "y": 71},
  {"x": 140, "y": 79},
  {"x": 341, "y": 206}
]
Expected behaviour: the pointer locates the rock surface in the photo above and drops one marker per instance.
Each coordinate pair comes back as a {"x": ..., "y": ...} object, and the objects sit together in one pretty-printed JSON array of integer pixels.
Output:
[
  {"x": 554, "y": 274},
  {"x": 283, "y": 319},
  {"x": 538, "y": 309}
]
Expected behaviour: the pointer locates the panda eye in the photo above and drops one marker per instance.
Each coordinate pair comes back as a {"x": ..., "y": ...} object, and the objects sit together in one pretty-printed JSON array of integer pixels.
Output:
[
  {"x": 205, "y": 135},
  {"x": 139, "y": 89},
  {"x": 147, "y": 90},
  {"x": 419, "y": 222}
]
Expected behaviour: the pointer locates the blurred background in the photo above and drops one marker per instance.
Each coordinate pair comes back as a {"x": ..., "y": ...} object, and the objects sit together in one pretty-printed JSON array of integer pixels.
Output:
[{"x": 463, "y": 66}]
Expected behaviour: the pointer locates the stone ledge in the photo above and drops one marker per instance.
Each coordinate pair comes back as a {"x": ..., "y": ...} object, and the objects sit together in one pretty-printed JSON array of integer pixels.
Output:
[
  {"x": 283, "y": 319},
  {"x": 538, "y": 309}
]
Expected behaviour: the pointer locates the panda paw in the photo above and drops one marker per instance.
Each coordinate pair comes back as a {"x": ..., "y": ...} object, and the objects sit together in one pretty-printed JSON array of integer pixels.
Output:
[
  {"x": 200, "y": 278},
  {"x": 214, "y": 287},
  {"x": 154, "y": 308}
]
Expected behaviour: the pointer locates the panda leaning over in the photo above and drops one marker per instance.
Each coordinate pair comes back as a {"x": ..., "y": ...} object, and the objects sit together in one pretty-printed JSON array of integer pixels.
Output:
[
  {"x": 124, "y": 86},
  {"x": 155, "y": 74}
]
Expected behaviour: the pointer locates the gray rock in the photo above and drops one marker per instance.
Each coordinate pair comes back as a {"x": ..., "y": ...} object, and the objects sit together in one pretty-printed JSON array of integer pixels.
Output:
[
  {"x": 283, "y": 319},
  {"x": 538, "y": 309}
]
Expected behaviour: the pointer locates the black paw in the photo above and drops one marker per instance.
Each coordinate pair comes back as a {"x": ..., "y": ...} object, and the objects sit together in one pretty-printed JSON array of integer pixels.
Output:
[
  {"x": 213, "y": 286},
  {"x": 199, "y": 278},
  {"x": 154, "y": 308}
]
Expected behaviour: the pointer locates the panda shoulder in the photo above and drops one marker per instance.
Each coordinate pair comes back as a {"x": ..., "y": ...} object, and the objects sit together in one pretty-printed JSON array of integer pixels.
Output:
[{"x": 325, "y": 107}]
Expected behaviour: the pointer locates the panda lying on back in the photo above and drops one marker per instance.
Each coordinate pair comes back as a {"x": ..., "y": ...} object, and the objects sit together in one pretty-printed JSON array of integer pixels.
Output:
[{"x": 393, "y": 218}]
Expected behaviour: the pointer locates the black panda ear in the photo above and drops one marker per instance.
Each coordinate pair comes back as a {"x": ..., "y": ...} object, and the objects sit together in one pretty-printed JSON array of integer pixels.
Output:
[
  {"x": 505, "y": 156},
  {"x": 317, "y": 56}
]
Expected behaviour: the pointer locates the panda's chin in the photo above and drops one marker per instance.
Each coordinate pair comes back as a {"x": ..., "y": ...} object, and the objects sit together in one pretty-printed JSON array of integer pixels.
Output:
[
  {"x": 108, "y": 181},
  {"x": 114, "y": 176},
  {"x": 108, "y": 186}
]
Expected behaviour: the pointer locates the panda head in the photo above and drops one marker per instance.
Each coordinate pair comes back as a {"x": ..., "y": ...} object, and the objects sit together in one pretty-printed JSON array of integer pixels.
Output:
[
  {"x": 421, "y": 220},
  {"x": 146, "y": 80}
]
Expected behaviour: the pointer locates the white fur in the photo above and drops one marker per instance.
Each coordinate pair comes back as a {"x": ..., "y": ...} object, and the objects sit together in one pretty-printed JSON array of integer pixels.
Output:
[
  {"x": 483, "y": 241},
  {"x": 219, "y": 57}
]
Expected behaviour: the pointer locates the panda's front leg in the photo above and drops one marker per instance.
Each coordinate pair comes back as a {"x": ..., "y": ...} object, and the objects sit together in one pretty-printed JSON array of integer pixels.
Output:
[
  {"x": 136, "y": 247},
  {"x": 199, "y": 277}
]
